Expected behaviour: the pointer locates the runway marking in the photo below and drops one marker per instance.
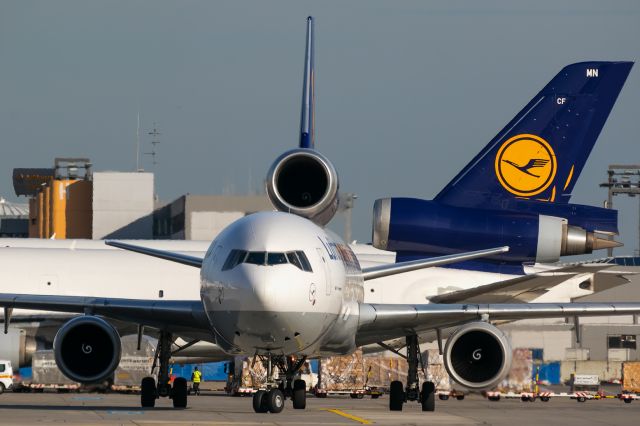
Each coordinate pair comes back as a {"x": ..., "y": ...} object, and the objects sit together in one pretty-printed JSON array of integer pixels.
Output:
[
  {"x": 124, "y": 413},
  {"x": 349, "y": 416}
]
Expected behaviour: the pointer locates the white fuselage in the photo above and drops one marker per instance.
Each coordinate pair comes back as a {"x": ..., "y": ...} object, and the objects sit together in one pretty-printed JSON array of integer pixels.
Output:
[{"x": 277, "y": 283}]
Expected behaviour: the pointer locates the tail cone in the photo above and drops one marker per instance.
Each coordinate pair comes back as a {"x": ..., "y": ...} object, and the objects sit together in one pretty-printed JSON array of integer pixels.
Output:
[{"x": 604, "y": 243}]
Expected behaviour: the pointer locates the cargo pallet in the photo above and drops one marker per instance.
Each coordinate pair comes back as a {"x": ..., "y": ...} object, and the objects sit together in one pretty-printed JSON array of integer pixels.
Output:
[
  {"x": 546, "y": 396},
  {"x": 445, "y": 395},
  {"x": 41, "y": 387},
  {"x": 374, "y": 393},
  {"x": 125, "y": 388},
  {"x": 240, "y": 391}
]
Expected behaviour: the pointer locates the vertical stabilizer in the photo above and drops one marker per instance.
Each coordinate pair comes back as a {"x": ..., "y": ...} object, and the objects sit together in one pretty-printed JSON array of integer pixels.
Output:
[
  {"x": 306, "y": 120},
  {"x": 539, "y": 155}
]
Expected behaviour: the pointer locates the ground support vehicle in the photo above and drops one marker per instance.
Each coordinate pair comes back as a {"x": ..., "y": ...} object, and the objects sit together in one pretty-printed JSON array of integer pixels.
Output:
[{"x": 6, "y": 375}]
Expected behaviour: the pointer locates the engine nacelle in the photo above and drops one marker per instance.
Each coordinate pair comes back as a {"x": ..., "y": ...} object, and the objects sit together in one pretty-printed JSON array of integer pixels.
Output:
[
  {"x": 305, "y": 183},
  {"x": 478, "y": 356},
  {"x": 418, "y": 228},
  {"x": 87, "y": 349}
]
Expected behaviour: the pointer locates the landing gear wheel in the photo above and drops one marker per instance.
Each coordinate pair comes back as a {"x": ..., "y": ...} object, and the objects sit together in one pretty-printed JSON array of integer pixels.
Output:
[
  {"x": 460, "y": 397},
  {"x": 275, "y": 401},
  {"x": 396, "y": 396},
  {"x": 443, "y": 397},
  {"x": 148, "y": 392},
  {"x": 299, "y": 395},
  {"x": 627, "y": 401},
  {"x": 260, "y": 402},
  {"x": 428, "y": 396},
  {"x": 179, "y": 393}
]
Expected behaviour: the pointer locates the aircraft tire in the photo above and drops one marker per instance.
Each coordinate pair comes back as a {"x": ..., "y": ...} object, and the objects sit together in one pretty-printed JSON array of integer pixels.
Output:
[
  {"x": 299, "y": 396},
  {"x": 179, "y": 392},
  {"x": 275, "y": 401},
  {"x": 396, "y": 396},
  {"x": 260, "y": 402},
  {"x": 148, "y": 392},
  {"x": 428, "y": 397}
]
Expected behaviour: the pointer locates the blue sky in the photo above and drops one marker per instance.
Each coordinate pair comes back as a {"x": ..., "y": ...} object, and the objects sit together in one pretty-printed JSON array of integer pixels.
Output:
[{"x": 407, "y": 91}]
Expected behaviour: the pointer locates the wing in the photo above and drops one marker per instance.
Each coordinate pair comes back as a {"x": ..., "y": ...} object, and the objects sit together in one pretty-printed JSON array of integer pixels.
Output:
[
  {"x": 530, "y": 287},
  {"x": 170, "y": 315},
  {"x": 162, "y": 254},
  {"x": 380, "y": 322}
]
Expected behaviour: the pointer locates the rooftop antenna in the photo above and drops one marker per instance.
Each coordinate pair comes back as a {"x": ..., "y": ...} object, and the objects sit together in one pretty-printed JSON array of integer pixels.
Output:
[
  {"x": 154, "y": 141},
  {"x": 138, "y": 169}
]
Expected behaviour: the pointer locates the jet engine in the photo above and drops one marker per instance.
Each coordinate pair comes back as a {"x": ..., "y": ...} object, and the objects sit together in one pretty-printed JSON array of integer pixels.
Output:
[
  {"x": 305, "y": 183},
  {"x": 420, "y": 228},
  {"x": 87, "y": 349},
  {"x": 478, "y": 356}
]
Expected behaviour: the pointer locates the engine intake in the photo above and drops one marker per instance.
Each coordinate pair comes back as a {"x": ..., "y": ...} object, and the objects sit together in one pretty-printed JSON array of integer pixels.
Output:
[
  {"x": 478, "y": 356},
  {"x": 305, "y": 183},
  {"x": 87, "y": 349}
]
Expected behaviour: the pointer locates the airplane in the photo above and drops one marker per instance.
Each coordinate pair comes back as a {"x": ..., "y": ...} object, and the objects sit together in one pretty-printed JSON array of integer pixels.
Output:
[
  {"x": 516, "y": 191},
  {"x": 279, "y": 286}
]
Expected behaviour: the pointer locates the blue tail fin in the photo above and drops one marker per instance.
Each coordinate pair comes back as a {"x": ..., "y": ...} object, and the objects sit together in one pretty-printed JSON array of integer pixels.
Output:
[
  {"x": 306, "y": 119},
  {"x": 539, "y": 155}
]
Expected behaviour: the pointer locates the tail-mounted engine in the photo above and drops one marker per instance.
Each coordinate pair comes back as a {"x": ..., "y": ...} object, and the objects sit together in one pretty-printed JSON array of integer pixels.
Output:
[
  {"x": 305, "y": 183},
  {"x": 478, "y": 356},
  {"x": 420, "y": 227},
  {"x": 87, "y": 349}
]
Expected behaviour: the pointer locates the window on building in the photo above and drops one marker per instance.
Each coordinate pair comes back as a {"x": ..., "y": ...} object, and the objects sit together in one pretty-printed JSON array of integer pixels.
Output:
[{"x": 622, "y": 341}]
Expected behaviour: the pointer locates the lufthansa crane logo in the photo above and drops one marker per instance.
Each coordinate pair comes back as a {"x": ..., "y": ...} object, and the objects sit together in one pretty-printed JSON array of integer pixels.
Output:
[{"x": 525, "y": 165}]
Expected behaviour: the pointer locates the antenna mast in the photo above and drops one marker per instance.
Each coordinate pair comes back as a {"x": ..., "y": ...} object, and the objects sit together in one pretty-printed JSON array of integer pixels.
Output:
[{"x": 154, "y": 141}]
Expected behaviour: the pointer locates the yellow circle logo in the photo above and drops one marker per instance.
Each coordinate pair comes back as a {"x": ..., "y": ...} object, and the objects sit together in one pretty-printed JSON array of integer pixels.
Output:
[{"x": 525, "y": 165}]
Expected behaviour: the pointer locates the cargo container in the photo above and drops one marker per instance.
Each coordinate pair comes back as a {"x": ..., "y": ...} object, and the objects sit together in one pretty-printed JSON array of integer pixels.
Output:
[
  {"x": 631, "y": 377},
  {"x": 135, "y": 364}
]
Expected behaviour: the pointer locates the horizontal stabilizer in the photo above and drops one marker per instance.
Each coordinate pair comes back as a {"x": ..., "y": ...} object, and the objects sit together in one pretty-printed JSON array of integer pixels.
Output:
[{"x": 413, "y": 265}]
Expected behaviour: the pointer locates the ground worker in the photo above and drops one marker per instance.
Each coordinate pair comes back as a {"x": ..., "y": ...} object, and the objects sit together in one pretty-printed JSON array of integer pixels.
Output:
[{"x": 196, "y": 378}]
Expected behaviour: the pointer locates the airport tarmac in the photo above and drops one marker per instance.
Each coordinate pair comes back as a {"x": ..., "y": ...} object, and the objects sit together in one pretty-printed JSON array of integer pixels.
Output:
[{"x": 219, "y": 409}]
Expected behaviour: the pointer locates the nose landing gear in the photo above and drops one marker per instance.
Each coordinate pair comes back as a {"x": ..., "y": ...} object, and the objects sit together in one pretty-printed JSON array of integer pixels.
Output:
[{"x": 278, "y": 390}]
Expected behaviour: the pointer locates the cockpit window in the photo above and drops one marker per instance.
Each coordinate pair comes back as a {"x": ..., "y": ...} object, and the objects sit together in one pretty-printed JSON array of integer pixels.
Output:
[
  {"x": 305, "y": 262},
  {"x": 276, "y": 258},
  {"x": 293, "y": 259},
  {"x": 296, "y": 258},
  {"x": 235, "y": 257},
  {"x": 256, "y": 257}
]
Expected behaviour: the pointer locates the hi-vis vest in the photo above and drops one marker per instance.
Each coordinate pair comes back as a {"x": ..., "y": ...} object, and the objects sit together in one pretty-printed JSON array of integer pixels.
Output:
[{"x": 196, "y": 376}]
